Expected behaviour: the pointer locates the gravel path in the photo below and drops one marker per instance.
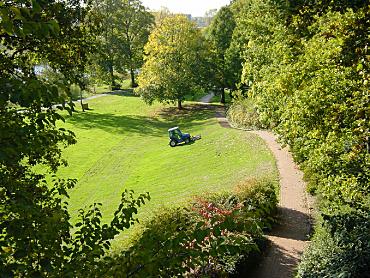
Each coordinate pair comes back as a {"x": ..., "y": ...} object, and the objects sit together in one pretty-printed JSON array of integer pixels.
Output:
[
  {"x": 77, "y": 102},
  {"x": 290, "y": 237},
  {"x": 118, "y": 92},
  {"x": 207, "y": 98}
]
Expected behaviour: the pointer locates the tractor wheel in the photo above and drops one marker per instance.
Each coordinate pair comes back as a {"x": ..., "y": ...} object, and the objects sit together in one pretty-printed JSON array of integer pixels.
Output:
[
  {"x": 173, "y": 143},
  {"x": 187, "y": 140}
]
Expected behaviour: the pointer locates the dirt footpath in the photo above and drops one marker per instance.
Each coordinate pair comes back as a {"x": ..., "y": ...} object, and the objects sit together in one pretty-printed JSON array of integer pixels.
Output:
[
  {"x": 207, "y": 98},
  {"x": 289, "y": 238}
]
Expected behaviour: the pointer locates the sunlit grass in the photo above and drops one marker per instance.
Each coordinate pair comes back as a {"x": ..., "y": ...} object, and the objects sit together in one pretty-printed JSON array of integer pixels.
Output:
[{"x": 123, "y": 144}]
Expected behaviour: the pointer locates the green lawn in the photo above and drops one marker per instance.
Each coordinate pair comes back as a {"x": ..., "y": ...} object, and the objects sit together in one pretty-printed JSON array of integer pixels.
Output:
[{"x": 123, "y": 144}]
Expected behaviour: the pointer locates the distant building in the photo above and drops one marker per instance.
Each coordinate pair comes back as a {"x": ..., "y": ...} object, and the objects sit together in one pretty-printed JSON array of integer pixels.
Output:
[
  {"x": 202, "y": 21},
  {"x": 188, "y": 16}
]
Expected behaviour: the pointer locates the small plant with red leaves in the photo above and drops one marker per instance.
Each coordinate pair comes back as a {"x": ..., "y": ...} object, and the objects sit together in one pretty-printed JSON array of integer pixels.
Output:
[
  {"x": 223, "y": 230},
  {"x": 207, "y": 238}
]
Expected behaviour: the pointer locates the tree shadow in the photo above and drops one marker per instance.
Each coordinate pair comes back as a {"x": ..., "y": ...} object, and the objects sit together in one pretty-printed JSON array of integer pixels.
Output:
[
  {"x": 190, "y": 112},
  {"x": 292, "y": 224},
  {"x": 121, "y": 93},
  {"x": 119, "y": 124},
  {"x": 142, "y": 125},
  {"x": 275, "y": 261},
  {"x": 124, "y": 93}
]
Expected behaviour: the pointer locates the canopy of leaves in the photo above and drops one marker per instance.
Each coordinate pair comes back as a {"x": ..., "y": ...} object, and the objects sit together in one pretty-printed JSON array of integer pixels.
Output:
[
  {"x": 220, "y": 33},
  {"x": 306, "y": 64},
  {"x": 136, "y": 26},
  {"x": 175, "y": 63},
  {"x": 35, "y": 232},
  {"x": 125, "y": 26}
]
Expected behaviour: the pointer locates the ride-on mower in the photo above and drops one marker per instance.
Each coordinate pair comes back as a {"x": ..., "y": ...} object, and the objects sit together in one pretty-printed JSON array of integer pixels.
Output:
[{"x": 177, "y": 137}]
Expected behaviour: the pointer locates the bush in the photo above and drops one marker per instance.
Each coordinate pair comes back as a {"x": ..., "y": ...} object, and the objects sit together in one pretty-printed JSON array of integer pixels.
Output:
[
  {"x": 208, "y": 237},
  {"x": 243, "y": 114},
  {"x": 340, "y": 248},
  {"x": 75, "y": 91}
]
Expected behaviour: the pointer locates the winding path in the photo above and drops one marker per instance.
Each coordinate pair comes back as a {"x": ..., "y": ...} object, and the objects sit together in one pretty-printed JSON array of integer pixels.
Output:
[
  {"x": 207, "y": 98},
  {"x": 290, "y": 237}
]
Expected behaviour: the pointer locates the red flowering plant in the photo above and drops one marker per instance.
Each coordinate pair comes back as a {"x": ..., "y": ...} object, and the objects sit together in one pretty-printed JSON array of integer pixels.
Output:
[
  {"x": 212, "y": 236},
  {"x": 225, "y": 230}
]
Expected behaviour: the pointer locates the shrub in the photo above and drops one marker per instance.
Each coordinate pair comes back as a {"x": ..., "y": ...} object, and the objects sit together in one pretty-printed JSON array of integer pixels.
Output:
[
  {"x": 75, "y": 91},
  {"x": 340, "y": 248},
  {"x": 207, "y": 237},
  {"x": 243, "y": 114},
  {"x": 260, "y": 196}
]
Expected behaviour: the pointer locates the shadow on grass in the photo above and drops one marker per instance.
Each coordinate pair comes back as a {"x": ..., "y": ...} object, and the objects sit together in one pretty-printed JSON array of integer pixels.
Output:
[
  {"x": 121, "y": 92},
  {"x": 189, "y": 113},
  {"x": 124, "y": 93},
  {"x": 144, "y": 125}
]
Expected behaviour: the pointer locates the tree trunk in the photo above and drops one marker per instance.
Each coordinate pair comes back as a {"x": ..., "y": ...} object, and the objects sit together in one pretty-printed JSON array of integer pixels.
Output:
[
  {"x": 179, "y": 105},
  {"x": 82, "y": 106},
  {"x": 113, "y": 83},
  {"x": 133, "y": 83},
  {"x": 223, "y": 96},
  {"x": 71, "y": 104}
]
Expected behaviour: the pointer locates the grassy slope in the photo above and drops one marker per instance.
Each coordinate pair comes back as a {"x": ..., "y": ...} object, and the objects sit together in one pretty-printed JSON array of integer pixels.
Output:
[{"x": 123, "y": 144}]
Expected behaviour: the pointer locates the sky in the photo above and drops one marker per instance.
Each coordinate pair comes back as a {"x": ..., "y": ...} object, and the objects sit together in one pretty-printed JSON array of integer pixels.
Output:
[{"x": 193, "y": 7}]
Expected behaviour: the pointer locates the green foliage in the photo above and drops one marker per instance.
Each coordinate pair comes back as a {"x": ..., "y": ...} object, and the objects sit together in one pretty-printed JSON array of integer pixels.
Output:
[
  {"x": 91, "y": 239},
  {"x": 175, "y": 65},
  {"x": 35, "y": 228},
  {"x": 324, "y": 117},
  {"x": 221, "y": 29},
  {"x": 135, "y": 30},
  {"x": 340, "y": 248},
  {"x": 105, "y": 59},
  {"x": 124, "y": 27},
  {"x": 207, "y": 237},
  {"x": 75, "y": 91},
  {"x": 306, "y": 65},
  {"x": 243, "y": 113},
  {"x": 219, "y": 33}
]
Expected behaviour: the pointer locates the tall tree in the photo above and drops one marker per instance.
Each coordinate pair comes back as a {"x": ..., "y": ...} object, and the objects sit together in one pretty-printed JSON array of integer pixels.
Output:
[
  {"x": 220, "y": 34},
  {"x": 125, "y": 27},
  {"x": 133, "y": 34},
  {"x": 175, "y": 63},
  {"x": 108, "y": 50}
]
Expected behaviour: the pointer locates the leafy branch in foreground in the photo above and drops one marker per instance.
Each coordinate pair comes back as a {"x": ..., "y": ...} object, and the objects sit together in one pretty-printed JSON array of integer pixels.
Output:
[
  {"x": 91, "y": 240},
  {"x": 36, "y": 238}
]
